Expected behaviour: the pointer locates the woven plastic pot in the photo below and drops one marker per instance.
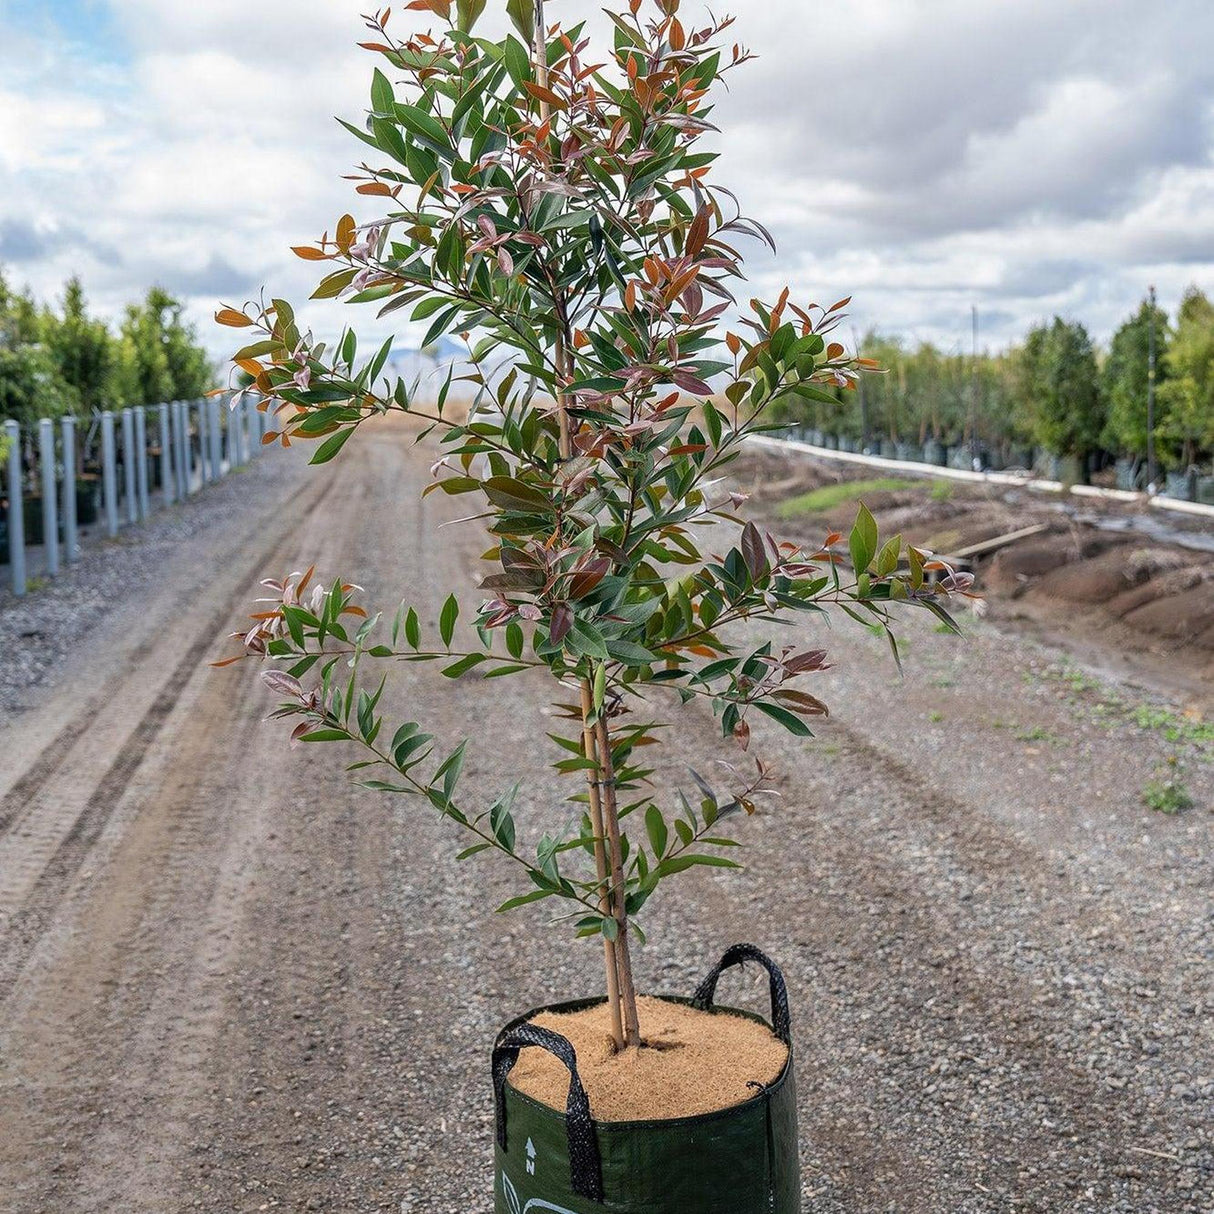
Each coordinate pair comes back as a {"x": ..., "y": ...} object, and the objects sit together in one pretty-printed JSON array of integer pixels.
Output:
[{"x": 740, "y": 1160}]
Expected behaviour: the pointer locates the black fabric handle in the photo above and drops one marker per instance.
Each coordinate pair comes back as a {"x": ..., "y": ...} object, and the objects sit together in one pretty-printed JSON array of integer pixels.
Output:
[
  {"x": 706, "y": 992},
  {"x": 585, "y": 1166}
]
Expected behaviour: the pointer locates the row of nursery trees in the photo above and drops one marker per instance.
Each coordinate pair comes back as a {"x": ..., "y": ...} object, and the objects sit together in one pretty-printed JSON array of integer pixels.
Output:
[
  {"x": 61, "y": 360},
  {"x": 1056, "y": 390}
]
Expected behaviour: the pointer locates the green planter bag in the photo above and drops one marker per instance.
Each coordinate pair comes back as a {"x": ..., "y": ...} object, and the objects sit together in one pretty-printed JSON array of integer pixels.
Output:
[{"x": 740, "y": 1160}]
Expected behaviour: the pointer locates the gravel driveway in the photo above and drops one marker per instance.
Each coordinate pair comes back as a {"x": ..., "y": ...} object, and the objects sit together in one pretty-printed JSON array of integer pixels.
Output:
[{"x": 231, "y": 982}]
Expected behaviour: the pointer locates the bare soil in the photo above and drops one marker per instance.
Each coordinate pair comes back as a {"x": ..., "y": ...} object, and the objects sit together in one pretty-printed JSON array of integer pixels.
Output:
[
  {"x": 1098, "y": 580},
  {"x": 230, "y": 981}
]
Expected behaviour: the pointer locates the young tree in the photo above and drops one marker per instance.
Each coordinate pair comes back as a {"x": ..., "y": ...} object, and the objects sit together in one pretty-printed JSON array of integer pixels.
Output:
[
  {"x": 1124, "y": 378},
  {"x": 1187, "y": 397},
  {"x": 159, "y": 357},
  {"x": 30, "y": 384},
  {"x": 1060, "y": 385},
  {"x": 82, "y": 348},
  {"x": 556, "y": 208}
]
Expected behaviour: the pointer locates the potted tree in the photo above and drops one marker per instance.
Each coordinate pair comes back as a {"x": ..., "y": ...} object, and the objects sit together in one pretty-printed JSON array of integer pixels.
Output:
[{"x": 552, "y": 205}]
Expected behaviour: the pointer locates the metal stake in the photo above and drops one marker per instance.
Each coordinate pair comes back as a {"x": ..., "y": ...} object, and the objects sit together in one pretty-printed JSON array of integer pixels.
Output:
[
  {"x": 50, "y": 516},
  {"x": 16, "y": 510},
  {"x": 109, "y": 474},
  {"x": 71, "y": 535},
  {"x": 141, "y": 466},
  {"x": 166, "y": 456},
  {"x": 128, "y": 464}
]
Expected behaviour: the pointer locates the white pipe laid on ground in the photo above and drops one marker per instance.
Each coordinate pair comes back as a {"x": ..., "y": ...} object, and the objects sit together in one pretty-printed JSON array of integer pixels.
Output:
[{"x": 982, "y": 478}]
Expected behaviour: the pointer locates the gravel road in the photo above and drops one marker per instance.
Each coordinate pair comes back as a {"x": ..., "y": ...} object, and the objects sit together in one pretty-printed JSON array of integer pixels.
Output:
[{"x": 231, "y": 982}]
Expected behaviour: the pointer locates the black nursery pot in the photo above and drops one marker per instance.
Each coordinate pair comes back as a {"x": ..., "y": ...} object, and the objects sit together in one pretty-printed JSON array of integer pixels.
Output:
[{"x": 740, "y": 1160}]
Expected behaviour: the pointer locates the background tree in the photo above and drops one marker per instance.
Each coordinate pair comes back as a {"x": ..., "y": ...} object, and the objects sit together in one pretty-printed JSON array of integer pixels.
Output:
[
  {"x": 1124, "y": 379},
  {"x": 82, "y": 349},
  {"x": 70, "y": 362},
  {"x": 159, "y": 356},
  {"x": 31, "y": 385},
  {"x": 1187, "y": 396},
  {"x": 1060, "y": 389}
]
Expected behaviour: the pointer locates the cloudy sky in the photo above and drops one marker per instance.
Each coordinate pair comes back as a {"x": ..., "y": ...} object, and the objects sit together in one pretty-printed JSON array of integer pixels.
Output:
[{"x": 1025, "y": 156}]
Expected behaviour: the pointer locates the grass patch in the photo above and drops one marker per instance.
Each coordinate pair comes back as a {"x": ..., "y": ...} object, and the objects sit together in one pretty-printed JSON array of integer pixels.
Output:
[
  {"x": 1173, "y": 727},
  {"x": 1037, "y": 733},
  {"x": 827, "y": 497},
  {"x": 1167, "y": 796}
]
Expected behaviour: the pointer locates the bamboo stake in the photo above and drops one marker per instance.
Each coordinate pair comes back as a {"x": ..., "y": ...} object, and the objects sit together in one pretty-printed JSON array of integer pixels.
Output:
[
  {"x": 623, "y": 955},
  {"x": 610, "y": 953},
  {"x": 600, "y": 864}
]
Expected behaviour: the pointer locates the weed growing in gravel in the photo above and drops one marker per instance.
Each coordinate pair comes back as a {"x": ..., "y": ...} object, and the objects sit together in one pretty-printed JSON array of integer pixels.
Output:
[
  {"x": 1167, "y": 796},
  {"x": 1173, "y": 726},
  {"x": 1037, "y": 733}
]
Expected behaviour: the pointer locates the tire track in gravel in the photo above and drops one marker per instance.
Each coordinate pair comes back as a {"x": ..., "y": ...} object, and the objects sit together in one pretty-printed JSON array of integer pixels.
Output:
[
  {"x": 145, "y": 978},
  {"x": 58, "y": 751},
  {"x": 39, "y": 861},
  {"x": 962, "y": 938},
  {"x": 277, "y": 991}
]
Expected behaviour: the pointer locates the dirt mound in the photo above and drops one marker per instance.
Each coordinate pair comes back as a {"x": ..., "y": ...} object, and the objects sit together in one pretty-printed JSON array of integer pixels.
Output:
[
  {"x": 693, "y": 1062},
  {"x": 1097, "y": 580},
  {"x": 1183, "y": 618},
  {"x": 1085, "y": 574}
]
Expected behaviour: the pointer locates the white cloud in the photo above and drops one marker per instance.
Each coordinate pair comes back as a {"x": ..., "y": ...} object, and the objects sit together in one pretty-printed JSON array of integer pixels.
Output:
[{"x": 922, "y": 155}]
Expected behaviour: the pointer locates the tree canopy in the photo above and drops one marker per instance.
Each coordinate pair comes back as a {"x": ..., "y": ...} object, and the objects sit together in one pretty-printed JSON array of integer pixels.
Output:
[{"x": 60, "y": 360}]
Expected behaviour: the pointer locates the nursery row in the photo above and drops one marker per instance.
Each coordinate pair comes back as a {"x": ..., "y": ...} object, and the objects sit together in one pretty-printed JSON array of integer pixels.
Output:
[
  {"x": 67, "y": 475},
  {"x": 1125, "y": 473},
  {"x": 1057, "y": 402}
]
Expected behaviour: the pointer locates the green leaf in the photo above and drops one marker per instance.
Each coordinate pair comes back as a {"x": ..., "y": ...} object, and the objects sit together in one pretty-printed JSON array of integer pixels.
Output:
[
  {"x": 514, "y": 495},
  {"x": 514, "y": 639},
  {"x": 382, "y": 96},
  {"x": 331, "y": 446},
  {"x": 655, "y": 827},
  {"x": 789, "y": 720},
  {"x": 464, "y": 665},
  {"x": 450, "y": 769},
  {"x": 863, "y": 540},
  {"x": 536, "y": 895},
  {"x": 426, "y": 127},
  {"x": 518, "y": 61},
  {"x": 887, "y": 558},
  {"x": 326, "y": 735},
  {"x": 468, "y": 13},
  {"x": 522, "y": 16},
  {"x": 630, "y": 654},
  {"x": 446, "y": 621},
  {"x": 474, "y": 850}
]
